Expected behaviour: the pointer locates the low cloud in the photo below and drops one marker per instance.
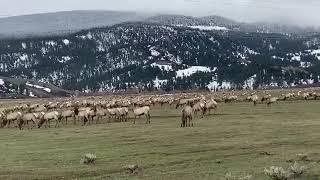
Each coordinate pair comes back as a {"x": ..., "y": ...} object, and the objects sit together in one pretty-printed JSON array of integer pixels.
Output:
[{"x": 296, "y": 12}]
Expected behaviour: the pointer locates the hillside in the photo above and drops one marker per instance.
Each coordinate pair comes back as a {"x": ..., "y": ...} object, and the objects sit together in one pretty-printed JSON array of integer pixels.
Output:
[
  {"x": 153, "y": 56},
  {"x": 24, "y": 88}
]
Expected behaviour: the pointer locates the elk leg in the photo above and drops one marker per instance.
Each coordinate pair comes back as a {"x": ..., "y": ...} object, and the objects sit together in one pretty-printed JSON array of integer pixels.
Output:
[
  {"x": 8, "y": 126},
  {"x": 191, "y": 121},
  {"x": 34, "y": 123}
]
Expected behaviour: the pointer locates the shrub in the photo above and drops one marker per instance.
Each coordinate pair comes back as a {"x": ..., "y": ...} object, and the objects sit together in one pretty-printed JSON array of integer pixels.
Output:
[
  {"x": 296, "y": 169},
  {"x": 89, "y": 159},
  {"x": 276, "y": 173}
]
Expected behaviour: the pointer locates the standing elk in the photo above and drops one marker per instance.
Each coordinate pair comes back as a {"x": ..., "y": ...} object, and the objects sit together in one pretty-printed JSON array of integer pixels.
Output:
[
  {"x": 142, "y": 111},
  {"x": 12, "y": 117},
  {"x": 50, "y": 116},
  {"x": 27, "y": 119},
  {"x": 253, "y": 98},
  {"x": 69, "y": 114},
  {"x": 272, "y": 100}
]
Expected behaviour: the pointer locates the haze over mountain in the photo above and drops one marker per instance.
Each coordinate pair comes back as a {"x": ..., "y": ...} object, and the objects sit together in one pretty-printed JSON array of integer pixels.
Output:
[{"x": 61, "y": 23}]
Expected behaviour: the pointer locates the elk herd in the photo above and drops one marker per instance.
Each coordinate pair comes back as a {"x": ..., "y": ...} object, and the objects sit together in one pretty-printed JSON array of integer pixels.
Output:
[{"x": 117, "y": 108}]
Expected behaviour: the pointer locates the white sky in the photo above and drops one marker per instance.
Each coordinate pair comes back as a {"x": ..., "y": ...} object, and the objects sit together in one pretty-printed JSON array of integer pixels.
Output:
[{"x": 299, "y": 12}]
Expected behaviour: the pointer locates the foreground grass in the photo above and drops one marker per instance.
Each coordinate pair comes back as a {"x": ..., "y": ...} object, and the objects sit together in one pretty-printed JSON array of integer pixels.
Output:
[{"x": 236, "y": 136}]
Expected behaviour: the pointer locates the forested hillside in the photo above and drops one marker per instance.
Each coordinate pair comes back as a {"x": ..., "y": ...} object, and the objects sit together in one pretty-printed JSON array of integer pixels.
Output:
[{"x": 168, "y": 57}]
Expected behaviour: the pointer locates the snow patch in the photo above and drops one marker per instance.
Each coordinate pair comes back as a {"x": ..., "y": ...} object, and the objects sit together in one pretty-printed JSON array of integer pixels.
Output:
[
  {"x": 209, "y": 28},
  {"x": 154, "y": 53},
  {"x": 310, "y": 81},
  {"x": 31, "y": 94},
  {"x": 214, "y": 41},
  {"x": 1, "y": 82},
  {"x": 248, "y": 84},
  {"x": 24, "y": 45},
  {"x": 89, "y": 36},
  {"x": 271, "y": 47},
  {"x": 157, "y": 83},
  {"x": 296, "y": 58},
  {"x": 215, "y": 86},
  {"x": 51, "y": 43},
  {"x": 164, "y": 67},
  {"x": 44, "y": 50},
  {"x": 276, "y": 57},
  {"x": 316, "y": 53},
  {"x": 100, "y": 47},
  {"x": 66, "y": 41},
  {"x": 38, "y": 87},
  {"x": 273, "y": 84},
  {"x": 250, "y": 51},
  {"x": 64, "y": 59},
  {"x": 24, "y": 57},
  {"x": 305, "y": 64},
  {"x": 193, "y": 69}
]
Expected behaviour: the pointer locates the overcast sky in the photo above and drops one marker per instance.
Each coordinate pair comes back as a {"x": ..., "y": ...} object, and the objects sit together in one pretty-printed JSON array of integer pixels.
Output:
[{"x": 299, "y": 12}]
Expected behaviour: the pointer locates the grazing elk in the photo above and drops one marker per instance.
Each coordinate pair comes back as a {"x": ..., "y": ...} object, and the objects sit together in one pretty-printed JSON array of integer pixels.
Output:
[{"x": 186, "y": 117}]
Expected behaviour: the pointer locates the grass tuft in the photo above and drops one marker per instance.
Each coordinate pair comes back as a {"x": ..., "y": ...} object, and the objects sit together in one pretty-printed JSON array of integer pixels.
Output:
[{"x": 88, "y": 159}]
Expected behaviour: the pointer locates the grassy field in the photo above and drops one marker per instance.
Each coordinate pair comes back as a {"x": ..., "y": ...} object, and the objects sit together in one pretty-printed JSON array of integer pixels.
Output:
[{"x": 235, "y": 136}]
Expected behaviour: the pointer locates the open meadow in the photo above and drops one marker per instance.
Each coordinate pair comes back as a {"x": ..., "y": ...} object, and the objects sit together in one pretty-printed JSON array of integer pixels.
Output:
[{"x": 239, "y": 138}]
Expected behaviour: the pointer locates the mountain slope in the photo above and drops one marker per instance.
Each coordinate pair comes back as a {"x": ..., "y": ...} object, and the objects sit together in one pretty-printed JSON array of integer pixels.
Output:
[{"x": 151, "y": 56}]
